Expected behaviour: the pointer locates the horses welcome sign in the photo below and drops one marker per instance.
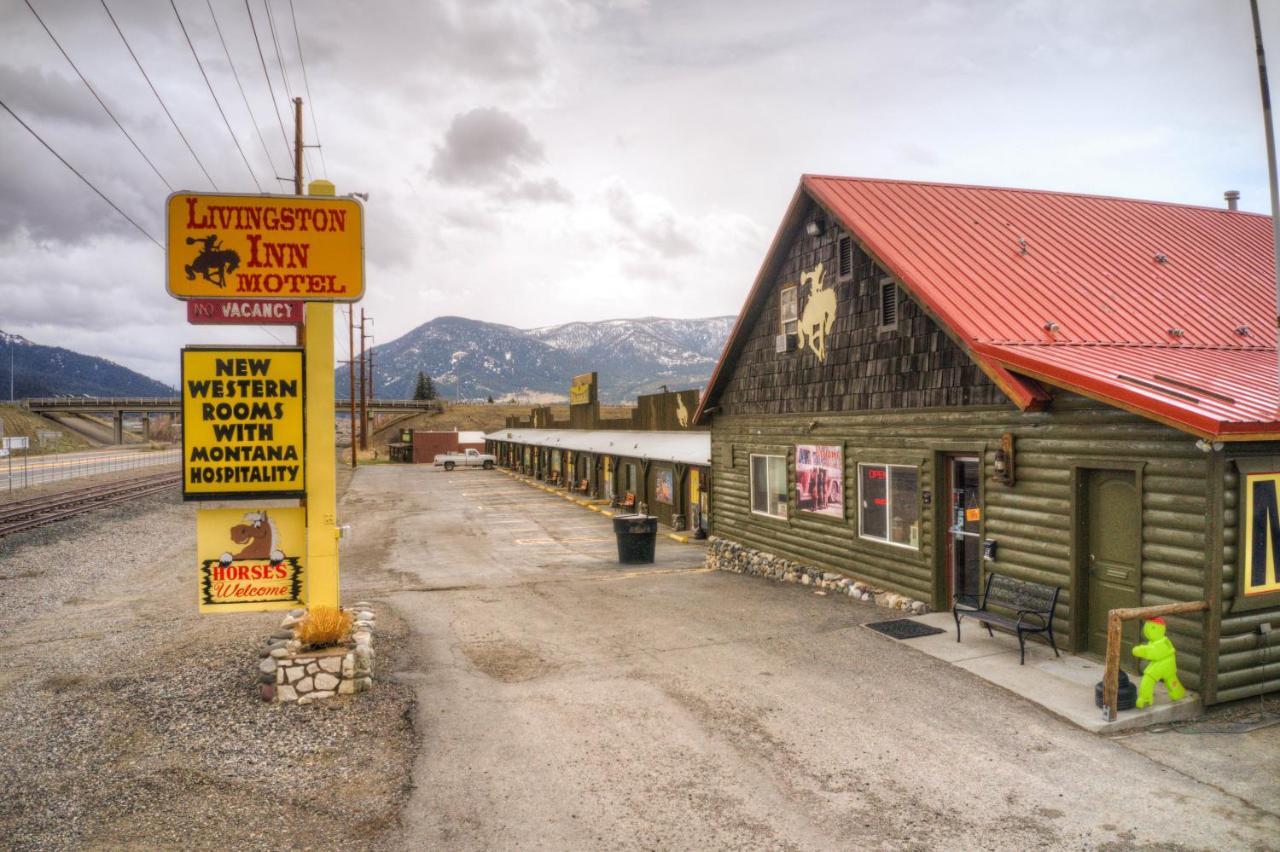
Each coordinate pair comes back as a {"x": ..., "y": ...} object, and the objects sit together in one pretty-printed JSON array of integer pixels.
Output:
[{"x": 250, "y": 559}]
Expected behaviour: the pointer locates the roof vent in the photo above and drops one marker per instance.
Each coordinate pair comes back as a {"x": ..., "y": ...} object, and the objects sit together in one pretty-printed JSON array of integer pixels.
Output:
[
  {"x": 1160, "y": 257},
  {"x": 1233, "y": 197},
  {"x": 1242, "y": 330},
  {"x": 1176, "y": 332},
  {"x": 1050, "y": 326},
  {"x": 1022, "y": 246}
]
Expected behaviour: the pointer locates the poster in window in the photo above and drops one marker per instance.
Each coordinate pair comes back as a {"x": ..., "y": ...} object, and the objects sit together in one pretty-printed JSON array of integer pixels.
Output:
[
  {"x": 664, "y": 486},
  {"x": 820, "y": 480},
  {"x": 1262, "y": 534}
]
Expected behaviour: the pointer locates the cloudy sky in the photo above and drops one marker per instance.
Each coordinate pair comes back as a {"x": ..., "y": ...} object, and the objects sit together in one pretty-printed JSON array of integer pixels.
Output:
[{"x": 540, "y": 161}]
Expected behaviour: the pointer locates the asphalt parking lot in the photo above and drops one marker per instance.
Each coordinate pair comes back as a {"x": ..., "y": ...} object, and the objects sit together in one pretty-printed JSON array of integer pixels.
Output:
[{"x": 567, "y": 702}]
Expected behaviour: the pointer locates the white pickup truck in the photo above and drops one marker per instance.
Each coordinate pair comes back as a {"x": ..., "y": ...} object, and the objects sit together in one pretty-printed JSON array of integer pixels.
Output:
[{"x": 468, "y": 458}]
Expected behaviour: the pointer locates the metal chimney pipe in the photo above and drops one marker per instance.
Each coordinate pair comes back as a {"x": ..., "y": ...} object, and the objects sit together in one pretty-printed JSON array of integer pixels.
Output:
[{"x": 1233, "y": 198}]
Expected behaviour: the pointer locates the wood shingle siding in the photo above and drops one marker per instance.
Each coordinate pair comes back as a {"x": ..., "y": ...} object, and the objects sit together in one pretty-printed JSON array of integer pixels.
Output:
[{"x": 914, "y": 366}]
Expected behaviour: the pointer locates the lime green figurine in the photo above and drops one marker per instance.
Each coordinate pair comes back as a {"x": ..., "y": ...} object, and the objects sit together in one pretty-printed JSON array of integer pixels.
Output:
[{"x": 1162, "y": 663}]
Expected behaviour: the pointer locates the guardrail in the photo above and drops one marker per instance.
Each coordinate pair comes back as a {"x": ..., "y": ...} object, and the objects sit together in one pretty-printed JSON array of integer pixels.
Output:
[{"x": 72, "y": 403}]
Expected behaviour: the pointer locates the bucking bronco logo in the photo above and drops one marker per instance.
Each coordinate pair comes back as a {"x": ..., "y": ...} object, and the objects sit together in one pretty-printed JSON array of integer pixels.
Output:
[
  {"x": 819, "y": 312},
  {"x": 213, "y": 262}
]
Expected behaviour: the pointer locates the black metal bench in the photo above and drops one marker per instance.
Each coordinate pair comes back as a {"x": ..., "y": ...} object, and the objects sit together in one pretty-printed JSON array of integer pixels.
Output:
[{"x": 1032, "y": 603}]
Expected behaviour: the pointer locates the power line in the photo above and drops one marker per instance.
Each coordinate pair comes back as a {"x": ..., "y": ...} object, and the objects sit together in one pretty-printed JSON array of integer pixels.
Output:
[
  {"x": 271, "y": 23},
  {"x": 77, "y": 173},
  {"x": 307, "y": 85},
  {"x": 98, "y": 98},
  {"x": 270, "y": 88},
  {"x": 216, "y": 102},
  {"x": 288, "y": 88},
  {"x": 252, "y": 118},
  {"x": 163, "y": 106}
]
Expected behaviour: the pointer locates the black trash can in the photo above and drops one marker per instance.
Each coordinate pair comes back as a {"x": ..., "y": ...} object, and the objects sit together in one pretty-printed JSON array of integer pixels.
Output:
[{"x": 636, "y": 535}]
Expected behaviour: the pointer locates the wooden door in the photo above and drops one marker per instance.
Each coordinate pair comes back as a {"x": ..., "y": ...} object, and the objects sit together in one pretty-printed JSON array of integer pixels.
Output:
[{"x": 1112, "y": 518}]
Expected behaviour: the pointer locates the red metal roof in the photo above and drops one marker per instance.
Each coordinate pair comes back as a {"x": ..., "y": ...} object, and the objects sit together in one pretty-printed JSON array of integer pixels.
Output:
[{"x": 1137, "y": 303}]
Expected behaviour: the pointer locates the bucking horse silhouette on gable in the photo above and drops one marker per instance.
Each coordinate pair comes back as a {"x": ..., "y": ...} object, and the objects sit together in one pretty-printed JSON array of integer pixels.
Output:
[
  {"x": 213, "y": 262},
  {"x": 819, "y": 312}
]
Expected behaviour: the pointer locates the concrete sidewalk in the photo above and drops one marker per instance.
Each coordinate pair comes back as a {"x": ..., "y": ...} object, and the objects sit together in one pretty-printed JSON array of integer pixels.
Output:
[{"x": 1062, "y": 685}]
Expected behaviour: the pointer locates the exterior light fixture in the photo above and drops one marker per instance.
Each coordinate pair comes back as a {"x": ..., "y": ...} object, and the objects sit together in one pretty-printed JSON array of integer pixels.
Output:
[
  {"x": 1002, "y": 463},
  {"x": 815, "y": 226}
]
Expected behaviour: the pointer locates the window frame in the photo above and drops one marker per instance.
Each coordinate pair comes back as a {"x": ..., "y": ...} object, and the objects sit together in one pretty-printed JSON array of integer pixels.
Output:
[
  {"x": 751, "y": 485},
  {"x": 794, "y": 322},
  {"x": 888, "y": 505}
]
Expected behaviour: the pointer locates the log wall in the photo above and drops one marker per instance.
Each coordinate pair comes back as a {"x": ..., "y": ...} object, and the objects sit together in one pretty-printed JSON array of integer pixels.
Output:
[{"x": 1031, "y": 521}]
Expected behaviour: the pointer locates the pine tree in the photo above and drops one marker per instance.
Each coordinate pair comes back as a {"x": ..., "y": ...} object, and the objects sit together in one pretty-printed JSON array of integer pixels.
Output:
[
  {"x": 491, "y": 399},
  {"x": 424, "y": 390}
]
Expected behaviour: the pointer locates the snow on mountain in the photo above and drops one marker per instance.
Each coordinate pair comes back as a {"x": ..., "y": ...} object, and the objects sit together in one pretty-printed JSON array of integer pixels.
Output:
[
  {"x": 48, "y": 370},
  {"x": 473, "y": 360}
]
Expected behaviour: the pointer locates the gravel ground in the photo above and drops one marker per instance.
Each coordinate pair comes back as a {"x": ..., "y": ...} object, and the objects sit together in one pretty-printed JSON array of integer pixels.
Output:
[{"x": 128, "y": 721}]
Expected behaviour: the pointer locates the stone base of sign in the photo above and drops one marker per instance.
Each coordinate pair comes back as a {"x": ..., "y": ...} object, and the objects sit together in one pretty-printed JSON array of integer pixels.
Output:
[
  {"x": 287, "y": 673},
  {"x": 724, "y": 555}
]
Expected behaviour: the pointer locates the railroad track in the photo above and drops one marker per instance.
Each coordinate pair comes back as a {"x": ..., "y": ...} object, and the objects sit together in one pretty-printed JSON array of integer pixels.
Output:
[{"x": 38, "y": 511}]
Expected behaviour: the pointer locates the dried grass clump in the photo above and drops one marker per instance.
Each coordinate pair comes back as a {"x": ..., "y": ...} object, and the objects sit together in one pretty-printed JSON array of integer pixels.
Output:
[{"x": 323, "y": 625}]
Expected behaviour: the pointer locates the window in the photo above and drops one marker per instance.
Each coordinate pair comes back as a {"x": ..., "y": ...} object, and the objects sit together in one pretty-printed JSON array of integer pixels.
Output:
[
  {"x": 790, "y": 309},
  {"x": 888, "y": 304},
  {"x": 844, "y": 257},
  {"x": 769, "y": 485},
  {"x": 888, "y": 509}
]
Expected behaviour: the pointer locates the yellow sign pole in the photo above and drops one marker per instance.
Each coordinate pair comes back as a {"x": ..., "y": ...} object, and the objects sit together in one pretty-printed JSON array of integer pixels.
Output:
[{"x": 321, "y": 573}]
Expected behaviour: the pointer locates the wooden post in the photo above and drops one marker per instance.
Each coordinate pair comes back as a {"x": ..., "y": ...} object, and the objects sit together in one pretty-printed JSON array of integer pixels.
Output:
[
  {"x": 1115, "y": 619},
  {"x": 1111, "y": 675}
]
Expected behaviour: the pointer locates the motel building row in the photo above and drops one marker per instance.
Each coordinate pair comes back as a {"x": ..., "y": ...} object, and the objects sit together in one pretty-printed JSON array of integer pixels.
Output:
[
  {"x": 654, "y": 461},
  {"x": 930, "y": 383}
]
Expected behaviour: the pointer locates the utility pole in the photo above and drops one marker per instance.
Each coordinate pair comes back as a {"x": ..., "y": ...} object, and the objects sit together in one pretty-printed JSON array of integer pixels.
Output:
[
  {"x": 297, "y": 146},
  {"x": 1271, "y": 155},
  {"x": 364, "y": 388},
  {"x": 351, "y": 374}
]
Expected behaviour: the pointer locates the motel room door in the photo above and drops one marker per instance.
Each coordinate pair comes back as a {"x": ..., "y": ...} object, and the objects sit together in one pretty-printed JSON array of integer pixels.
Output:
[
  {"x": 1112, "y": 536},
  {"x": 964, "y": 528}
]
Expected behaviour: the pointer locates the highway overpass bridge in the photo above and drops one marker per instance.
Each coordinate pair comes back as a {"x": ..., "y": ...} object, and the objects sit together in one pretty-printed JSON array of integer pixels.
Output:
[{"x": 146, "y": 406}]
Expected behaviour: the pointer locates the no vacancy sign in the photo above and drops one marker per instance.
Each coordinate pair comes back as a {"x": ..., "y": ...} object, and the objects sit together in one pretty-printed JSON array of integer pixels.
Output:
[
  {"x": 292, "y": 247},
  {"x": 242, "y": 423}
]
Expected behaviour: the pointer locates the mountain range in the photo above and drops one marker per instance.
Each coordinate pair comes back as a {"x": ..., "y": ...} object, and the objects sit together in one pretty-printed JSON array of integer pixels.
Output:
[
  {"x": 470, "y": 359},
  {"x": 51, "y": 370}
]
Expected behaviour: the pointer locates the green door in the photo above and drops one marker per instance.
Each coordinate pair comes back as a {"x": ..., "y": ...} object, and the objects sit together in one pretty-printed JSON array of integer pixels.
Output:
[{"x": 1113, "y": 534}]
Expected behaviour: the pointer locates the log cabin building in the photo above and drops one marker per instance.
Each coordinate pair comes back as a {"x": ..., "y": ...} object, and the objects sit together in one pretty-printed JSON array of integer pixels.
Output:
[
  {"x": 929, "y": 383},
  {"x": 657, "y": 456}
]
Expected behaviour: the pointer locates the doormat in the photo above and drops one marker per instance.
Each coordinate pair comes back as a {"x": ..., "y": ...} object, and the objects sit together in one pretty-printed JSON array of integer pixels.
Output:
[{"x": 903, "y": 628}]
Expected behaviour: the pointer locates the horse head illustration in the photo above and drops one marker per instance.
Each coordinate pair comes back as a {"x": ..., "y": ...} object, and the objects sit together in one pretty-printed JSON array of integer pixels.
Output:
[{"x": 259, "y": 536}]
